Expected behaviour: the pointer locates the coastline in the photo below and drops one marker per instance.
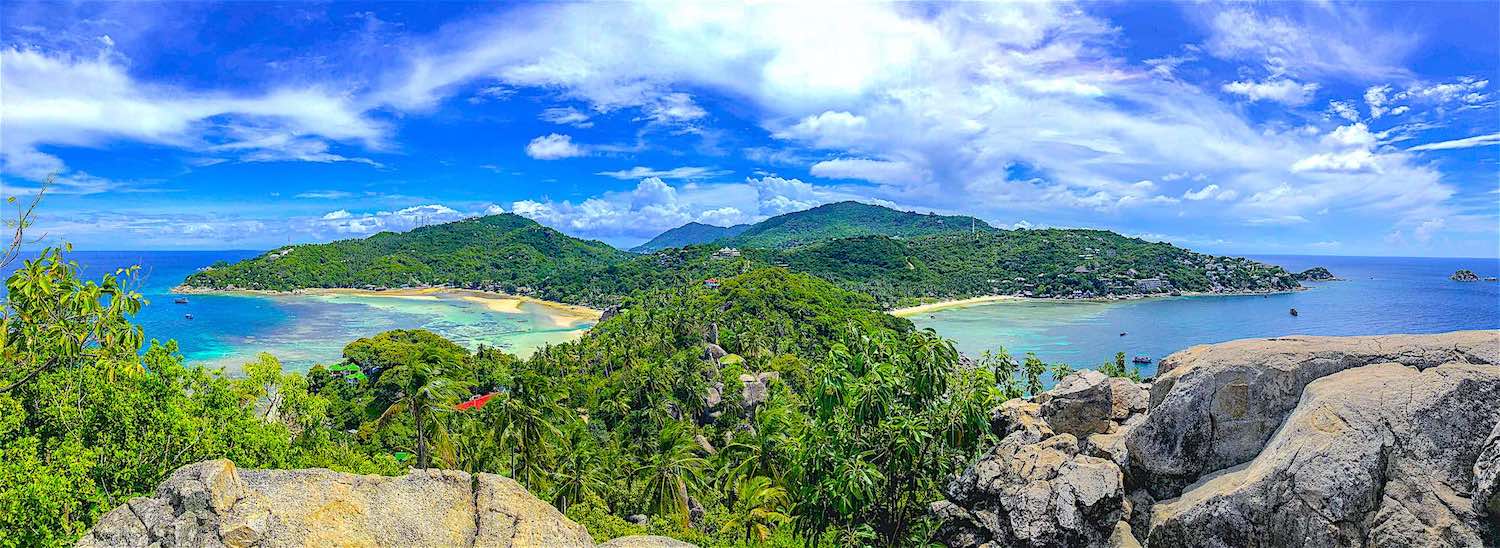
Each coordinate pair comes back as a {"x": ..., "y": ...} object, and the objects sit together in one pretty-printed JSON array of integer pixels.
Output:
[
  {"x": 993, "y": 299},
  {"x": 563, "y": 315}
]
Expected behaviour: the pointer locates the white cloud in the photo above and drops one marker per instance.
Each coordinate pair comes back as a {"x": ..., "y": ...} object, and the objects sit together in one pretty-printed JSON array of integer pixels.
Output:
[
  {"x": 1469, "y": 142},
  {"x": 566, "y": 116},
  {"x": 554, "y": 147},
  {"x": 1335, "y": 41},
  {"x": 875, "y": 171},
  {"x": 1280, "y": 90},
  {"x": 63, "y": 100},
  {"x": 1200, "y": 194},
  {"x": 344, "y": 222},
  {"x": 1344, "y": 109},
  {"x": 1353, "y": 161},
  {"x": 326, "y": 194},
  {"x": 685, "y": 172}
]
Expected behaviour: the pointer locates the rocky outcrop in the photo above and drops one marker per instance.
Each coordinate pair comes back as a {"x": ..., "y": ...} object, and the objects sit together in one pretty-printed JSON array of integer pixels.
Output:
[
  {"x": 212, "y": 503},
  {"x": 1381, "y": 455},
  {"x": 1042, "y": 485},
  {"x": 1315, "y": 274},
  {"x": 646, "y": 541},
  {"x": 1297, "y": 441},
  {"x": 1215, "y": 406},
  {"x": 1464, "y": 275}
]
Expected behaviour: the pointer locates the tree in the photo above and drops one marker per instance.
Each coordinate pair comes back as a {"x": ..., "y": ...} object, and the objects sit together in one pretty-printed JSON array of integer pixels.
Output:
[
  {"x": 1034, "y": 368},
  {"x": 577, "y": 477},
  {"x": 672, "y": 472},
  {"x": 759, "y": 508},
  {"x": 521, "y": 420},
  {"x": 421, "y": 389}
]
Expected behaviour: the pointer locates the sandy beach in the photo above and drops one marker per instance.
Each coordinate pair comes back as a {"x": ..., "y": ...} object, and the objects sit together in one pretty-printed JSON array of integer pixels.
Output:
[
  {"x": 561, "y": 314},
  {"x": 956, "y": 303}
]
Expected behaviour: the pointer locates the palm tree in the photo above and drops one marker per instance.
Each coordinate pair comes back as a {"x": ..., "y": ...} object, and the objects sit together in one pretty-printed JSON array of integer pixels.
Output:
[
  {"x": 759, "y": 508},
  {"x": 421, "y": 389},
  {"x": 522, "y": 421},
  {"x": 577, "y": 475},
  {"x": 672, "y": 472}
]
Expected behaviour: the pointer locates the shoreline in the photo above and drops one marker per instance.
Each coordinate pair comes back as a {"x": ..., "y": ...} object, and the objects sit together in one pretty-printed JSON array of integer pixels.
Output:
[
  {"x": 994, "y": 299},
  {"x": 562, "y": 314}
]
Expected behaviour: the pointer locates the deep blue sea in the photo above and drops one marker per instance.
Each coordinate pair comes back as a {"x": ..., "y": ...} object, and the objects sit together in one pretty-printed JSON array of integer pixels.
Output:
[
  {"x": 1378, "y": 295},
  {"x": 228, "y": 330}
]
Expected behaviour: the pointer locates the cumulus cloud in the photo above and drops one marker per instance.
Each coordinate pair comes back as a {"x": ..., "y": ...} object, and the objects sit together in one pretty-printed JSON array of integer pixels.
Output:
[
  {"x": 1280, "y": 90},
  {"x": 875, "y": 171},
  {"x": 343, "y": 222},
  {"x": 554, "y": 146}
]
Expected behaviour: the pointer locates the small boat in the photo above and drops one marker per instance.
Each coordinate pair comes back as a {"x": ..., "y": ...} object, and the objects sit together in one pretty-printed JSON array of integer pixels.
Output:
[
  {"x": 1294, "y": 312},
  {"x": 188, "y": 316},
  {"x": 1122, "y": 333},
  {"x": 1141, "y": 359},
  {"x": 180, "y": 300}
]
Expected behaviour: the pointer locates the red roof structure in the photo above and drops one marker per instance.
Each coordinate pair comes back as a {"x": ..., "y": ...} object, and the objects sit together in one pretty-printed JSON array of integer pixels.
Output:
[{"x": 475, "y": 402}]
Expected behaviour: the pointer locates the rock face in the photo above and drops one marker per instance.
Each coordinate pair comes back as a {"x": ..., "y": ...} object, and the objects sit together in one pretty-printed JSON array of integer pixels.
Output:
[
  {"x": 1215, "y": 406},
  {"x": 1042, "y": 486},
  {"x": 213, "y": 504},
  {"x": 1464, "y": 275},
  {"x": 1379, "y": 456},
  {"x": 1298, "y": 441}
]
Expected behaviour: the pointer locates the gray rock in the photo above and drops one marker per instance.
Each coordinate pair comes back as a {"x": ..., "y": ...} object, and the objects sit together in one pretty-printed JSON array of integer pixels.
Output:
[
  {"x": 1127, "y": 398},
  {"x": 1036, "y": 494},
  {"x": 1487, "y": 481},
  {"x": 1381, "y": 455},
  {"x": 1215, "y": 406},
  {"x": 213, "y": 504},
  {"x": 1019, "y": 415},
  {"x": 756, "y": 388},
  {"x": 1080, "y": 405}
]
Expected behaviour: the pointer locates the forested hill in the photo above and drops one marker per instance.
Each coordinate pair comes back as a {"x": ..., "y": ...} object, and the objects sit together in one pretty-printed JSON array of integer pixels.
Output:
[
  {"x": 506, "y": 252},
  {"x": 846, "y": 219},
  {"x": 1061, "y": 263},
  {"x": 516, "y": 255},
  {"x": 689, "y": 234}
]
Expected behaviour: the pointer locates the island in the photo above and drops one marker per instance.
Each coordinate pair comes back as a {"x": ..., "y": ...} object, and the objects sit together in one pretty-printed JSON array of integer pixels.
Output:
[
  {"x": 1464, "y": 275},
  {"x": 900, "y": 258},
  {"x": 1316, "y": 274}
]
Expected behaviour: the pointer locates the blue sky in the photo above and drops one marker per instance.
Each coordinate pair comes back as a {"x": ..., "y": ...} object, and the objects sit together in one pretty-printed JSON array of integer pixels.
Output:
[{"x": 1318, "y": 128}]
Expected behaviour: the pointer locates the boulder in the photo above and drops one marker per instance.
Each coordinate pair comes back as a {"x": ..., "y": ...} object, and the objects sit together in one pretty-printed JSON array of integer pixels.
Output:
[
  {"x": 1127, "y": 398},
  {"x": 756, "y": 388},
  {"x": 1080, "y": 405},
  {"x": 1019, "y": 415},
  {"x": 1036, "y": 494},
  {"x": 213, "y": 504},
  {"x": 1380, "y": 455},
  {"x": 1215, "y": 406}
]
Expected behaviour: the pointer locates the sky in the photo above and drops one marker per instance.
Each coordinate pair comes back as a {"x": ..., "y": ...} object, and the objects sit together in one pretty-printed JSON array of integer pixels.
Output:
[{"x": 1245, "y": 128}]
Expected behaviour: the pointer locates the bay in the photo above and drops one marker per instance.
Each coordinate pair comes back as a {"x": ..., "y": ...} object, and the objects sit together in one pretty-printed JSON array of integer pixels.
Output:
[{"x": 1378, "y": 295}]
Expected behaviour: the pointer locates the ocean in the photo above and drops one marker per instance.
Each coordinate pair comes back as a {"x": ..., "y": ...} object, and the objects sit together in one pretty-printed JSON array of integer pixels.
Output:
[
  {"x": 301, "y": 330},
  {"x": 1378, "y": 295}
]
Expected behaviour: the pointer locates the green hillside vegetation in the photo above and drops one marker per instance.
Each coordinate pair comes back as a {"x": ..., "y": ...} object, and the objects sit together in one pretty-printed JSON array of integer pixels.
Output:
[
  {"x": 689, "y": 234},
  {"x": 503, "y": 252},
  {"x": 916, "y": 258},
  {"x": 846, "y": 219},
  {"x": 776, "y": 409}
]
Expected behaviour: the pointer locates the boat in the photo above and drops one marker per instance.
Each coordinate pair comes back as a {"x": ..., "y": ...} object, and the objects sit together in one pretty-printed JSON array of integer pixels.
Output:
[
  {"x": 188, "y": 316},
  {"x": 180, "y": 300},
  {"x": 1123, "y": 333},
  {"x": 1141, "y": 359},
  {"x": 1294, "y": 312}
]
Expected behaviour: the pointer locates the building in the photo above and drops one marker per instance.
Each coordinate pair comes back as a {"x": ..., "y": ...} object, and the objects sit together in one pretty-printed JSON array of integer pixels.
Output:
[
  {"x": 475, "y": 402},
  {"x": 711, "y": 283},
  {"x": 1152, "y": 285},
  {"x": 726, "y": 253}
]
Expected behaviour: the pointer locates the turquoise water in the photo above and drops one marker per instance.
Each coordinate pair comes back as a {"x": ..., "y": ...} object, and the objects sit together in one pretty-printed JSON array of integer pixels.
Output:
[
  {"x": 1380, "y": 295},
  {"x": 228, "y": 330}
]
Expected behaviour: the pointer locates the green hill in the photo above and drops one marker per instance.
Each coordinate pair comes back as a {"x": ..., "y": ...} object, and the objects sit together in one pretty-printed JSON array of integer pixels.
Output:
[
  {"x": 689, "y": 234},
  {"x": 504, "y": 252},
  {"x": 846, "y": 219}
]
